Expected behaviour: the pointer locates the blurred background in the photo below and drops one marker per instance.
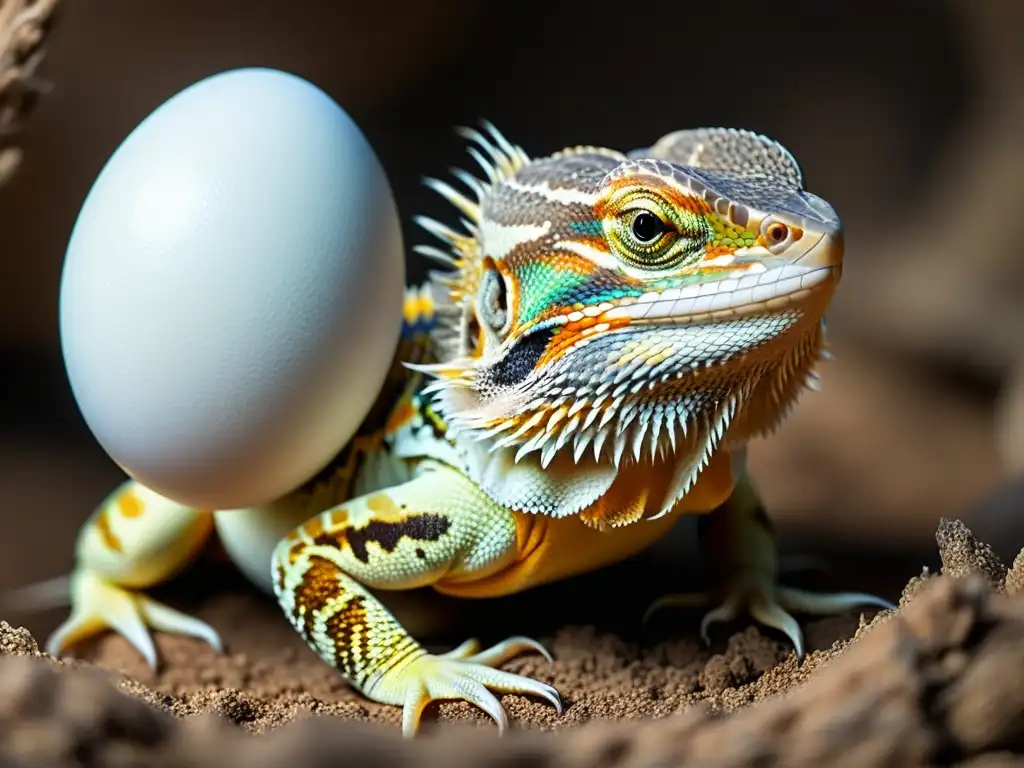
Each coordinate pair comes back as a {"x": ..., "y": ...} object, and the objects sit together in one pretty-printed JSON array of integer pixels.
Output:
[{"x": 907, "y": 116}]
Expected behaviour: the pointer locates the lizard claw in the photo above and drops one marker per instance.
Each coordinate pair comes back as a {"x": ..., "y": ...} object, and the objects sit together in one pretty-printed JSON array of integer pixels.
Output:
[
  {"x": 99, "y": 605},
  {"x": 498, "y": 654},
  {"x": 465, "y": 673},
  {"x": 768, "y": 604}
]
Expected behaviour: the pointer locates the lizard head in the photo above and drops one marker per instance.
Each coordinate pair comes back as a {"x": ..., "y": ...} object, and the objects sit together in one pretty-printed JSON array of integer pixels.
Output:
[{"x": 631, "y": 305}]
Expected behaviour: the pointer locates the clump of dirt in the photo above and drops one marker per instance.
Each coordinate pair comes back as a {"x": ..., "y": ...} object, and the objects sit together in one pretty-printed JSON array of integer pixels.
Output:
[{"x": 935, "y": 682}]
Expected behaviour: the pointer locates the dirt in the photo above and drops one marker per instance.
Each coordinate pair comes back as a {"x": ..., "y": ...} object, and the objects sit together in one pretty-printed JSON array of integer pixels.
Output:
[{"x": 934, "y": 682}]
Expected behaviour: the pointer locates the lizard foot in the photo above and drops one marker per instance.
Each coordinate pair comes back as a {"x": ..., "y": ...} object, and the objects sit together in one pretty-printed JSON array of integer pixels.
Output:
[
  {"x": 466, "y": 673},
  {"x": 767, "y": 603},
  {"x": 98, "y": 605}
]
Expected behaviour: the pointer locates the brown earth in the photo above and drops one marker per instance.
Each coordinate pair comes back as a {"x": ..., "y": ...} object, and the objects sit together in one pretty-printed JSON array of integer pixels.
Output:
[{"x": 937, "y": 682}]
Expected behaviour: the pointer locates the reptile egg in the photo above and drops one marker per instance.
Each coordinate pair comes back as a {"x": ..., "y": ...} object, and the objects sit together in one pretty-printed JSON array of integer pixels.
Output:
[{"x": 232, "y": 290}]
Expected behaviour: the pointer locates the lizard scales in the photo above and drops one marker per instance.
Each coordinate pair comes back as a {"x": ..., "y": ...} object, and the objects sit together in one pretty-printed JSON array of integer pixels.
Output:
[{"x": 606, "y": 333}]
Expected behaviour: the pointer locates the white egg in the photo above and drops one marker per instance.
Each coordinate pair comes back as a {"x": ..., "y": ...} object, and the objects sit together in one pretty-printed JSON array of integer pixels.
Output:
[{"x": 232, "y": 290}]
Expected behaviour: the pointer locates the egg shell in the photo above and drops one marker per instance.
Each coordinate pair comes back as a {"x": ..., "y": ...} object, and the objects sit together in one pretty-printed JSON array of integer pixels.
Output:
[{"x": 232, "y": 290}]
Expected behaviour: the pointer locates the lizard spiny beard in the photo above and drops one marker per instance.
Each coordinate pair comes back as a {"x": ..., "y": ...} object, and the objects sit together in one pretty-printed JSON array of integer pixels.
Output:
[{"x": 578, "y": 401}]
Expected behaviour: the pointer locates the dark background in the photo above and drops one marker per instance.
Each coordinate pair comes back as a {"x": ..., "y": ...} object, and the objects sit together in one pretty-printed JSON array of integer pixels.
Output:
[{"x": 907, "y": 116}]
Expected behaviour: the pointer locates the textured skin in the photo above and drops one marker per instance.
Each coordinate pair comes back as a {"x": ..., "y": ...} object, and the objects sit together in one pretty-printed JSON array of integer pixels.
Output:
[{"x": 609, "y": 333}]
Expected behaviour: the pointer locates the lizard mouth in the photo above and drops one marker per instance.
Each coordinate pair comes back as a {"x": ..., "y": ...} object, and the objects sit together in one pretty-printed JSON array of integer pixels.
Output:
[{"x": 755, "y": 293}]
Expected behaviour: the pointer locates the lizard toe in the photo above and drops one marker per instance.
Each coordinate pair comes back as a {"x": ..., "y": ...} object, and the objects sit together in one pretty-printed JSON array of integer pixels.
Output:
[
  {"x": 466, "y": 674},
  {"x": 98, "y": 605},
  {"x": 497, "y": 654},
  {"x": 768, "y": 604},
  {"x": 827, "y": 603},
  {"x": 681, "y": 600},
  {"x": 772, "y": 608}
]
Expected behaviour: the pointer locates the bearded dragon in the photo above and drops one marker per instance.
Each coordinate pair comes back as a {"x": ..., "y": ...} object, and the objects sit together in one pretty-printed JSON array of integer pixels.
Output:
[{"x": 605, "y": 336}]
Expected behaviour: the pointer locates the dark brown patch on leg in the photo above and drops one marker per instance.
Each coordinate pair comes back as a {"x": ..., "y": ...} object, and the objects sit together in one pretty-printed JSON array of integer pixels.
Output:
[
  {"x": 319, "y": 584},
  {"x": 426, "y": 527},
  {"x": 333, "y": 539}
]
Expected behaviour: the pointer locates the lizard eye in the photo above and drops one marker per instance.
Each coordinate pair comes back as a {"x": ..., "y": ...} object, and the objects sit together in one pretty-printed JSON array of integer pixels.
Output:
[
  {"x": 647, "y": 227},
  {"x": 647, "y": 231}
]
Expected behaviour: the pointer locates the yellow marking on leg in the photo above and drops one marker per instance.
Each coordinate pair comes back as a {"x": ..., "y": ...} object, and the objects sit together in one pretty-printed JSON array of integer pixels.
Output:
[
  {"x": 383, "y": 507},
  {"x": 313, "y": 527},
  {"x": 106, "y": 533},
  {"x": 146, "y": 547},
  {"x": 128, "y": 504}
]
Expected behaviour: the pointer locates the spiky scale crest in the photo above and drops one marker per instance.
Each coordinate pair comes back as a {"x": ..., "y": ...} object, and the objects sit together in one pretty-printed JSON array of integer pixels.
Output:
[{"x": 500, "y": 160}]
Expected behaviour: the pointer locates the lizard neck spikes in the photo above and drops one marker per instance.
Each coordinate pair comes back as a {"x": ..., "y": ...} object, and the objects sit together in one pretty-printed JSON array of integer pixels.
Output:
[
  {"x": 500, "y": 160},
  {"x": 505, "y": 158}
]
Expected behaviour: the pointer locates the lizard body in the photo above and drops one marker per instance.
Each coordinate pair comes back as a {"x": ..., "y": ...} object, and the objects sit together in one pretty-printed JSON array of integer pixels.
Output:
[{"x": 609, "y": 332}]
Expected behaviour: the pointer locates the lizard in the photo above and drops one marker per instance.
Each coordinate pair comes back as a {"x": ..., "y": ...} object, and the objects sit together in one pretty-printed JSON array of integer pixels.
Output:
[{"x": 586, "y": 366}]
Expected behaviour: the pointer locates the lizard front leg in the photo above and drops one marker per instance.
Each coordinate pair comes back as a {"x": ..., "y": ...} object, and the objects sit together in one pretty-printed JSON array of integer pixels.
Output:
[
  {"x": 739, "y": 541},
  {"x": 135, "y": 539},
  {"x": 438, "y": 525}
]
